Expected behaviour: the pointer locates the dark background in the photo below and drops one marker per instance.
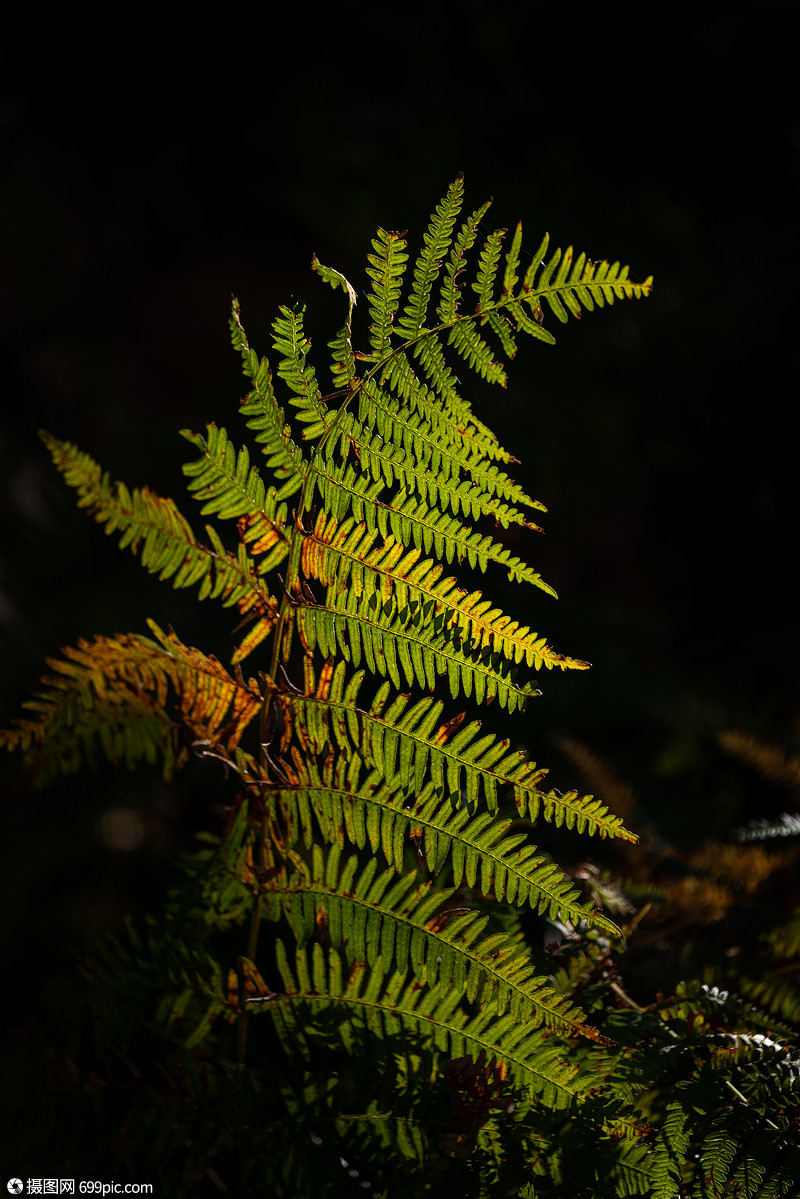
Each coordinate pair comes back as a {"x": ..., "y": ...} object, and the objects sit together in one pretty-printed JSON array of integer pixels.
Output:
[{"x": 149, "y": 173}]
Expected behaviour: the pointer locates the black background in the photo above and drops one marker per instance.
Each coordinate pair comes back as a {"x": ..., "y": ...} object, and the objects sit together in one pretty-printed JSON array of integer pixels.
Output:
[{"x": 149, "y": 172}]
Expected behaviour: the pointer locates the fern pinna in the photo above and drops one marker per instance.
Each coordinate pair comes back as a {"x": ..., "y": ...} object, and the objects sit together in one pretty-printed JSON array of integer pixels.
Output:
[{"x": 387, "y": 839}]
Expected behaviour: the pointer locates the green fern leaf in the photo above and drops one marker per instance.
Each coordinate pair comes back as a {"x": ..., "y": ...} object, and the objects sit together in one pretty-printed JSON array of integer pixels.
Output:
[
  {"x": 155, "y": 529},
  {"x": 672, "y": 1152},
  {"x": 350, "y": 803},
  {"x": 386, "y": 269},
  {"x": 409, "y": 745},
  {"x": 437, "y": 241},
  {"x": 450, "y": 293},
  {"x": 344, "y": 363},
  {"x": 394, "y": 608},
  {"x": 487, "y": 267},
  {"x": 233, "y": 490},
  {"x": 292, "y": 346},
  {"x": 370, "y": 916},
  {"x": 388, "y": 1006},
  {"x": 266, "y": 418}
]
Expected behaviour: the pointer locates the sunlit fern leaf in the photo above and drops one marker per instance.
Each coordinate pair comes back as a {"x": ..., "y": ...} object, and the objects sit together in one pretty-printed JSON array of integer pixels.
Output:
[
  {"x": 292, "y": 347},
  {"x": 451, "y": 417},
  {"x": 386, "y": 1004},
  {"x": 405, "y": 639},
  {"x": 395, "y": 608},
  {"x": 418, "y": 523},
  {"x": 229, "y": 487},
  {"x": 343, "y": 367},
  {"x": 476, "y": 352},
  {"x": 350, "y": 803},
  {"x": 266, "y": 418},
  {"x": 510, "y": 276},
  {"x": 526, "y": 322},
  {"x": 481, "y": 492},
  {"x": 502, "y": 329},
  {"x": 370, "y": 915},
  {"x": 98, "y": 684},
  {"x": 153, "y": 528},
  {"x": 410, "y": 744},
  {"x": 386, "y": 269},
  {"x": 421, "y": 450},
  {"x": 427, "y": 267},
  {"x": 487, "y": 267},
  {"x": 450, "y": 293}
]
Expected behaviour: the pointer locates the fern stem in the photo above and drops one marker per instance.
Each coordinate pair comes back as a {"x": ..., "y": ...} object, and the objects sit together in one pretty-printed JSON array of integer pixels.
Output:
[{"x": 252, "y": 948}]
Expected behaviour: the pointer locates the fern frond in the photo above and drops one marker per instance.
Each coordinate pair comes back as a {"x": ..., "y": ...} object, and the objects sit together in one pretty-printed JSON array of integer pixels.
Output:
[
  {"x": 437, "y": 241},
  {"x": 153, "y": 528},
  {"x": 787, "y": 825},
  {"x": 349, "y": 802},
  {"x": 116, "y": 695},
  {"x": 420, "y": 448},
  {"x": 671, "y": 1152},
  {"x": 404, "y": 639},
  {"x": 265, "y": 417},
  {"x": 389, "y": 836},
  {"x": 442, "y": 383},
  {"x": 386, "y": 269},
  {"x": 563, "y": 284},
  {"x": 293, "y": 347},
  {"x": 387, "y": 1006},
  {"x": 229, "y": 487},
  {"x": 370, "y": 916},
  {"x": 487, "y": 267},
  {"x": 587, "y": 283},
  {"x": 770, "y": 761},
  {"x": 344, "y": 362},
  {"x": 450, "y": 293},
  {"x": 400, "y": 608},
  {"x": 409, "y": 744},
  {"x": 418, "y": 523},
  {"x": 629, "y": 1170}
]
